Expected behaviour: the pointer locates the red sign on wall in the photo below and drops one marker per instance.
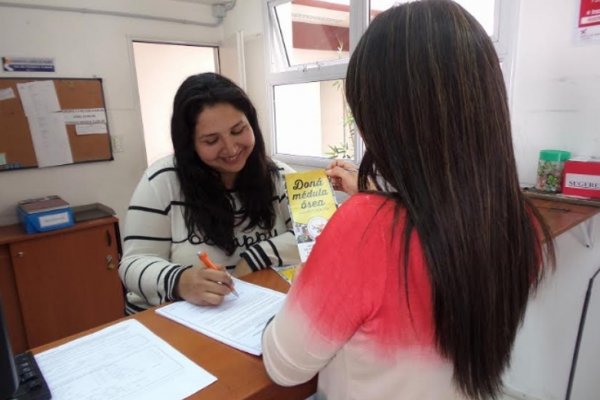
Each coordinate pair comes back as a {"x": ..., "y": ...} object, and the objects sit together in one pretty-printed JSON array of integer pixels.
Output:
[
  {"x": 589, "y": 13},
  {"x": 588, "y": 23}
]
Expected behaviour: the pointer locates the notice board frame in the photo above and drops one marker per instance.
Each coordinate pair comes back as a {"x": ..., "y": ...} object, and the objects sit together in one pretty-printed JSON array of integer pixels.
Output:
[{"x": 16, "y": 142}]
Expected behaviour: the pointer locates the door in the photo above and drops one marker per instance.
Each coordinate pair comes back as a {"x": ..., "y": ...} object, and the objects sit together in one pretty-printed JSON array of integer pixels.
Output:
[{"x": 160, "y": 68}]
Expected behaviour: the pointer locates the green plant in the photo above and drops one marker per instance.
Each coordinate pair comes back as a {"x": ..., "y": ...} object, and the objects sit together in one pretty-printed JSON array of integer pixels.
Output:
[
  {"x": 345, "y": 149},
  {"x": 339, "y": 151}
]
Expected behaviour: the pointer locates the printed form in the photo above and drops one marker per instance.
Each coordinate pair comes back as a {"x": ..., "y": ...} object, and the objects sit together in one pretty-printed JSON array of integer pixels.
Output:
[
  {"x": 123, "y": 361},
  {"x": 237, "y": 322},
  {"x": 48, "y": 131}
]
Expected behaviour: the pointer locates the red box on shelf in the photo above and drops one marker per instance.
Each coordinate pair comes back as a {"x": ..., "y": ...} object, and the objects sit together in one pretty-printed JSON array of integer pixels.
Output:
[{"x": 582, "y": 177}]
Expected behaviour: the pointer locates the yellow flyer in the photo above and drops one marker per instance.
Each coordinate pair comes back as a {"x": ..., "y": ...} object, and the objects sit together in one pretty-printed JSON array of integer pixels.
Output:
[
  {"x": 312, "y": 203},
  {"x": 287, "y": 272}
]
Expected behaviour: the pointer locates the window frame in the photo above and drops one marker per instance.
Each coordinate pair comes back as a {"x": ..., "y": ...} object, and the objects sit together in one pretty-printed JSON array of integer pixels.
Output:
[{"x": 505, "y": 25}]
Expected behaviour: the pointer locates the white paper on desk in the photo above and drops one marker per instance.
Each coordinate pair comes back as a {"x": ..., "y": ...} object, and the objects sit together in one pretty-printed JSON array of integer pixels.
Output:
[
  {"x": 6, "y": 94},
  {"x": 123, "y": 361},
  {"x": 237, "y": 322}
]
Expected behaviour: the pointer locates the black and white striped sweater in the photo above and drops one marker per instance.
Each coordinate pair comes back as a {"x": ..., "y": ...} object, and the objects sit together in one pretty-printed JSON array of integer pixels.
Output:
[{"x": 158, "y": 247}]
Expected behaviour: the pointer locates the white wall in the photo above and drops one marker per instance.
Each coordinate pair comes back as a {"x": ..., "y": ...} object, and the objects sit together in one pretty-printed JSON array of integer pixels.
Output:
[
  {"x": 247, "y": 17},
  {"x": 555, "y": 105},
  {"x": 556, "y": 92},
  {"x": 89, "y": 45},
  {"x": 544, "y": 347}
]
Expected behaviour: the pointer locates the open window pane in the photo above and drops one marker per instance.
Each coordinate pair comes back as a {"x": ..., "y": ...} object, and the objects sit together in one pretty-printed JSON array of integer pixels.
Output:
[
  {"x": 312, "y": 119},
  {"x": 483, "y": 10},
  {"x": 314, "y": 31}
]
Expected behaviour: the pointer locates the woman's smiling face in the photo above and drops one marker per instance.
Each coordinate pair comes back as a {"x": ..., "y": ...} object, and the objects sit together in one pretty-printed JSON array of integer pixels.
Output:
[{"x": 224, "y": 139}]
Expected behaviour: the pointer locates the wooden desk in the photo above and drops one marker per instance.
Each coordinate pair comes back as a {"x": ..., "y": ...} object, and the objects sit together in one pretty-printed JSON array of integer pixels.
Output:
[{"x": 240, "y": 375}]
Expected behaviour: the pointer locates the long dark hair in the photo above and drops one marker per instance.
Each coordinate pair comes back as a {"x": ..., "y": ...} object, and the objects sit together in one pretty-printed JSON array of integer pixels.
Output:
[
  {"x": 428, "y": 96},
  {"x": 208, "y": 204}
]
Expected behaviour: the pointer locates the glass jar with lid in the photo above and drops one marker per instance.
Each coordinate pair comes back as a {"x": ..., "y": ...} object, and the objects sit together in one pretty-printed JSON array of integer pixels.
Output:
[{"x": 550, "y": 170}]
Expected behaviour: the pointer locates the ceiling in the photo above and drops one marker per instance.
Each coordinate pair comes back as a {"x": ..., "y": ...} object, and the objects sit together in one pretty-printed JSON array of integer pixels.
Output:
[{"x": 209, "y": 2}]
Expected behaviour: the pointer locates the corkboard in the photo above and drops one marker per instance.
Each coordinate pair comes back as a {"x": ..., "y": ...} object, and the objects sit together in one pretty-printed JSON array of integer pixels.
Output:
[{"x": 15, "y": 137}]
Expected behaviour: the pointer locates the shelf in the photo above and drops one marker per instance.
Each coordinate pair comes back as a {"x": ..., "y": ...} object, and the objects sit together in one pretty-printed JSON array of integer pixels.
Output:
[{"x": 562, "y": 216}]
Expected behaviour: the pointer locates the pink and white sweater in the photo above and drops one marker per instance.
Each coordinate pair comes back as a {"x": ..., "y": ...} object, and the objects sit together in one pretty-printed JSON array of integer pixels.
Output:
[{"x": 347, "y": 317}]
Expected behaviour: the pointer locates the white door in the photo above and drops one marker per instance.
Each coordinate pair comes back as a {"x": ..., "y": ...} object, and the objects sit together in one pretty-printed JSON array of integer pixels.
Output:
[{"x": 160, "y": 69}]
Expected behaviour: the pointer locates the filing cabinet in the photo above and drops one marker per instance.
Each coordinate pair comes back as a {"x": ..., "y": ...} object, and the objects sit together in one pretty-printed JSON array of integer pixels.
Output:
[{"x": 58, "y": 283}]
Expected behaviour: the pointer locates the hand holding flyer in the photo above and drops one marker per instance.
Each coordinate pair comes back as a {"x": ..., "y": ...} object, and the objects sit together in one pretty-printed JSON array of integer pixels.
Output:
[{"x": 312, "y": 203}]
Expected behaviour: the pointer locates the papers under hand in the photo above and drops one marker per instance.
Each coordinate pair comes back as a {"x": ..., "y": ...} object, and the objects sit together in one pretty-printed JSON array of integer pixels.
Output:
[
  {"x": 124, "y": 361},
  {"x": 236, "y": 322}
]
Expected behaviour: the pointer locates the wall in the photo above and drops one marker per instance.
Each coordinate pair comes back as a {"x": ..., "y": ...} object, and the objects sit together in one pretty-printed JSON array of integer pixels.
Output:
[
  {"x": 544, "y": 347},
  {"x": 247, "y": 17},
  {"x": 254, "y": 50},
  {"x": 556, "y": 91},
  {"x": 90, "y": 45},
  {"x": 555, "y": 104}
]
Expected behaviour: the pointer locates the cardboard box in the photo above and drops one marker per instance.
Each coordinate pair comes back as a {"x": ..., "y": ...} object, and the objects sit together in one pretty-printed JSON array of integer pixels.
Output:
[
  {"x": 582, "y": 177},
  {"x": 45, "y": 214}
]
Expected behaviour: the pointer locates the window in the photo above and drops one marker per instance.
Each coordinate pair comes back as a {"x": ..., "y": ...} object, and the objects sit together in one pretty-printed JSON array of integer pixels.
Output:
[
  {"x": 312, "y": 31},
  {"x": 310, "y": 42},
  {"x": 323, "y": 128}
]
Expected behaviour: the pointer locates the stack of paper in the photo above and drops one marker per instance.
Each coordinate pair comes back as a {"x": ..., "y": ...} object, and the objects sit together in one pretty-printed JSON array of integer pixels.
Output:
[
  {"x": 237, "y": 322},
  {"x": 123, "y": 361}
]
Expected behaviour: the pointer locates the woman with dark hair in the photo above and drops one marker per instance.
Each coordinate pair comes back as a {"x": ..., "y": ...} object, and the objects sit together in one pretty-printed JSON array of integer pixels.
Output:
[
  {"x": 416, "y": 290},
  {"x": 219, "y": 193}
]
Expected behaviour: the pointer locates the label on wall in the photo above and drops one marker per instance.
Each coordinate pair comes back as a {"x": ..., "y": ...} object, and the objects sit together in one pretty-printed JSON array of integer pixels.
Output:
[
  {"x": 29, "y": 64},
  {"x": 84, "y": 116},
  {"x": 588, "y": 22}
]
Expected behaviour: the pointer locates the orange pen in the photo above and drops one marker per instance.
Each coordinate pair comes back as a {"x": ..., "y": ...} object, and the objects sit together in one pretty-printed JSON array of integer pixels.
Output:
[{"x": 210, "y": 265}]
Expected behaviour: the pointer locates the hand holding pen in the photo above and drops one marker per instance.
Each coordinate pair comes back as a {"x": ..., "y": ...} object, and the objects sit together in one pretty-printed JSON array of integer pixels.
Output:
[
  {"x": 204, "y": 286},
  {"x": 209, "y": 264}
]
